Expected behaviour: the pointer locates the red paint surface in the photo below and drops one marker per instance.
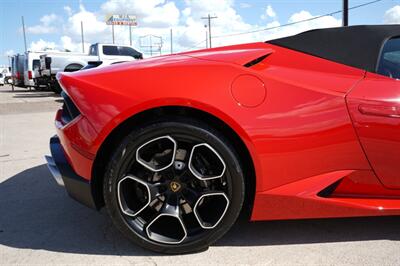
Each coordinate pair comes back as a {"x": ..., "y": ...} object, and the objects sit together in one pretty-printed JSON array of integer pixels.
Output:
[
  {"x": 301, "y": 137},
  {"x": 374, "y": 105},
  {"x": 242, "y": 85}
]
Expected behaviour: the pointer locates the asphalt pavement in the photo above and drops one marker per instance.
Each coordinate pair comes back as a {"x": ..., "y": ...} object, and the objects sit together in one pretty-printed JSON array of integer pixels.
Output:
[{"x": 40, "y": 224}]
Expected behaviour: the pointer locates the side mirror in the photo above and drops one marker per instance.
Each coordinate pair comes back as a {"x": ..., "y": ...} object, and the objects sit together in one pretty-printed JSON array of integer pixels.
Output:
[{"x": 47, "y": 61}]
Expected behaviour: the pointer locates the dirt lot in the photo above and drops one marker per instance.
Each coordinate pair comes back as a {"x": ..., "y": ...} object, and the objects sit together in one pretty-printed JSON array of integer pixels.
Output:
[{"x": 40, "y": 224}]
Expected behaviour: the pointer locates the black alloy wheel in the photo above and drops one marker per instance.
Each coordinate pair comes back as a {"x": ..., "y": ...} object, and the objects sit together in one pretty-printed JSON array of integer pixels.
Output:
[{"x": 174, "y": 187}]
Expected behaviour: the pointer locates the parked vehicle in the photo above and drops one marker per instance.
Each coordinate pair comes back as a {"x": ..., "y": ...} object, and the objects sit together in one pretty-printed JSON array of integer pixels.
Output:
[
  {"x": 1, "y": 79},
  {"x": 6, "y": 71},
  {"x": 99, "y": 54},
  {"x": 97, "y": 64},
  {"x": 17, "y": 70},
  {"x": 175, "y": 147},
  {"x": 31, "y": 65}
]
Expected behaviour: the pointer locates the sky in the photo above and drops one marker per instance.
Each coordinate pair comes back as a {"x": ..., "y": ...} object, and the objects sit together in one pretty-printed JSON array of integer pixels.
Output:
[{"x": 56, "y": 24}]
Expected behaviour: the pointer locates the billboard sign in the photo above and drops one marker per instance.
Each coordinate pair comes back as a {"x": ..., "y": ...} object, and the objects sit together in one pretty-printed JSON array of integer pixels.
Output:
[{"x": 127, "y": 20}]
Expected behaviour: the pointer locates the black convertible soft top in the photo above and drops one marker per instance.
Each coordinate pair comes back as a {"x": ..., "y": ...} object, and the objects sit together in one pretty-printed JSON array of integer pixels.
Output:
[{"x": 357, "y": 46}]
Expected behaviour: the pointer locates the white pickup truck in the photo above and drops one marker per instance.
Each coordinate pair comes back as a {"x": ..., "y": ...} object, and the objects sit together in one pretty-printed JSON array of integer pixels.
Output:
[{"x": 99, "y": 55}]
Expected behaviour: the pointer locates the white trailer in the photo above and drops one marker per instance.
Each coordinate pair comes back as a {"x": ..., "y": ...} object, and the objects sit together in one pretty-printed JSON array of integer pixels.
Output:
[{"x": 31, "y": 63}]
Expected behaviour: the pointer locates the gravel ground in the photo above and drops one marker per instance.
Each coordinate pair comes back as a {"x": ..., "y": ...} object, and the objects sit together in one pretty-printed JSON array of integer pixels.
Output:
[{"x": 40, "y": 224}]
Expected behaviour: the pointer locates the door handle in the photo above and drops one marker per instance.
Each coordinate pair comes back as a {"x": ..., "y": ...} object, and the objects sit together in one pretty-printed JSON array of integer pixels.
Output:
[{"x": 380, "y": 110}]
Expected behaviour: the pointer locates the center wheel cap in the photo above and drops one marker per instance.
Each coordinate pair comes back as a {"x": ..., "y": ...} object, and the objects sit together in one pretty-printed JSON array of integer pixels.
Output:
[{"x": 175, "y": 186}]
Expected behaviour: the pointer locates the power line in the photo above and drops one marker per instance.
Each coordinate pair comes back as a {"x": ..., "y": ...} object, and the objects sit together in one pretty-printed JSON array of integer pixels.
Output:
[
  {"x": 297, "y": 22},
  {"x": 196, "y": 45},
  {"x": 289, "y": 24}
]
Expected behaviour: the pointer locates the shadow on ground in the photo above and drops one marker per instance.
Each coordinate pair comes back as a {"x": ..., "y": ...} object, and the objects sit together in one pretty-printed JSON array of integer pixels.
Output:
[
  {"x": 8, "y": 89},
  {"x": 37, "y": 214},
  {"x": 36, "y": 94},
  {"x": 28, "y": 93}
]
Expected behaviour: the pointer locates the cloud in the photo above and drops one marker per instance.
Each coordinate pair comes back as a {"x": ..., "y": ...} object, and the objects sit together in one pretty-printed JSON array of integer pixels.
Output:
[
  {"x": 40, "y": 29},
  {"x": 42, "y": 45},
  {"x": 150, "y": 13},
  {"x": 392, "y": 15},
  {"x": 48, "y": 19},
  {"x": 227, "y": 20},
  {"x": 9, "y": 52},
  {"x": 92, "y": 25},
  {"x": 269, "y": 13},
  {"x": 157, "y": 17},
  {"x": 68, "y": 10},
  {"x": 48, "y": 25},
  {"x": 323, "y": 22},
  {"x": 66, "y": 43}
]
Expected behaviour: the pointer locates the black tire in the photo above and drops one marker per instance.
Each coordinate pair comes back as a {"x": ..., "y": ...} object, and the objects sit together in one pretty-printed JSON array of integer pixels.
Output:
[
  {"x": 56, "y": 88},
  {"x": 231, "y": 183}
]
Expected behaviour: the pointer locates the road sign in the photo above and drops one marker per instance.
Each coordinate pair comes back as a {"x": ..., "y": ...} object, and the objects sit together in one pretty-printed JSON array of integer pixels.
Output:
[{"x": 127, "y": 20}]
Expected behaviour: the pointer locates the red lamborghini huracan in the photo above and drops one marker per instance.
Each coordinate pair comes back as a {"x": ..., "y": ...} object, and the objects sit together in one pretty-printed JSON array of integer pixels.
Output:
[{"x": 176, "y": 146}]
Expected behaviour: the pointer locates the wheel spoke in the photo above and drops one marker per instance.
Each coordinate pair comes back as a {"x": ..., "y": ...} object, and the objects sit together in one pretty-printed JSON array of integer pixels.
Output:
[
  {"x": 167, "y": 227},
  {"x": 191, "y": 196}
]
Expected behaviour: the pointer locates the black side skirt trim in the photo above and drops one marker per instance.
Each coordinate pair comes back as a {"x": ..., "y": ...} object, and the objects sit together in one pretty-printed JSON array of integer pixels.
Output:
[{"x": 77, "y": 187}]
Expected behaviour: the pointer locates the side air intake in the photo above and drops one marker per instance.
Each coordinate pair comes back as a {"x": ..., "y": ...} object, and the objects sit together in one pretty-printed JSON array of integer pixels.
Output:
[
  {"x": 70, "y": 111},
  {"x": 256, "y": 61}
]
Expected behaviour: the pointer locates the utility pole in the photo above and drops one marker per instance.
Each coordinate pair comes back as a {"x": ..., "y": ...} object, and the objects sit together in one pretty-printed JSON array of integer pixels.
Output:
[
  {"x": 151, "y": 47},
  {"x": 172, "y": 50},
  {"x": 206, "y": 39},
  {"x": 112, "y": 28},
  {"x": 209, "y": 18},
  {"x": 23, "y": 30},
  {"x": 345, "y": 13},
  {"x": 83, "y": 40},
  {"x": 130, "y": 35}
]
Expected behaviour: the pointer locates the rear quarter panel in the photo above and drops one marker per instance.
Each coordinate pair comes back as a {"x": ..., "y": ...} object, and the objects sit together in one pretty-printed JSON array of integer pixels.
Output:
[{"x": 302, "y": 129}]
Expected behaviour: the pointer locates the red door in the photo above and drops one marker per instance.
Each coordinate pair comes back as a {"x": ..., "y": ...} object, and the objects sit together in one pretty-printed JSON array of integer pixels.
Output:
[{"x": 374, "y": 106}]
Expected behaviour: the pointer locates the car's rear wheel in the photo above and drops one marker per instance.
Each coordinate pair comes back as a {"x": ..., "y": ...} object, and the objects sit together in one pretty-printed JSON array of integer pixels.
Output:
[{"x": 174, "y": 187}]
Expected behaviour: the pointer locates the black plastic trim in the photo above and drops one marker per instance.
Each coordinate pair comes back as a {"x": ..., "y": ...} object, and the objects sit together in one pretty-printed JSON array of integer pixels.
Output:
[
  {"x": 256, "y": 61},
  {"x": 70, "y": 111},
  {"x": 77, "y": 187},
  {"x": 328, "y": 191},
  {"x": 357, "y": 46}
]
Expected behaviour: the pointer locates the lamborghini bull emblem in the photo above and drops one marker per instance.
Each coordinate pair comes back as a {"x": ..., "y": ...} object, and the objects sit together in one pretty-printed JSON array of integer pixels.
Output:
[{"x": 175, "y": 186}]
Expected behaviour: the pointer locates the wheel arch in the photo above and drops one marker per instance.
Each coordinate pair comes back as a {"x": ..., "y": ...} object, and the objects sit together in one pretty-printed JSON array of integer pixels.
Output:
[
  {"x": 119, "y": 132},
  {"x": 73, "y": 66}
]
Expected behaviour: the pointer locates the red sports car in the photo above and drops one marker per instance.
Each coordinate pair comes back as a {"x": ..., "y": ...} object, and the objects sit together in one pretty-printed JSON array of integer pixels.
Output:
[{"x": 175, "y": 147}]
